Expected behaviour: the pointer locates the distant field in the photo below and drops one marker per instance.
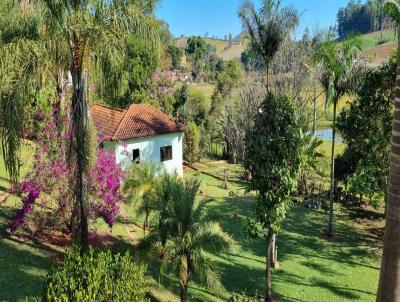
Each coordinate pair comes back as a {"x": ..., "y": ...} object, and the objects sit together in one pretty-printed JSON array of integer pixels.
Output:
[
  {"x": 217, "y": 43},
  {"x": 233, "y": 52},
  {"x": 221, "y": 47},
  {"x": 371, "y": 40}
]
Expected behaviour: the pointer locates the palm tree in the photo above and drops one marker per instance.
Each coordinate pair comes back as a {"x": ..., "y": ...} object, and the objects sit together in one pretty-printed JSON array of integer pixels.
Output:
[
  {"x": 188, "y": 234},
  {"x": 94, "y": 32},
  {"x": 389, "y": 285},
  {"x": 193, "y": 233},
  {"x": 267, "y": 29},
  {"x": 140, "y": 186},
  {"x": 341, "y": 72}
]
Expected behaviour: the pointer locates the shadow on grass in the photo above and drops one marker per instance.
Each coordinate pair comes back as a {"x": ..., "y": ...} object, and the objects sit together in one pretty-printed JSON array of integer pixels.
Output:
[
  {"x": 342, "y": 292},
  {"x": 302, "y": 235},
  {"x": 6, "y": 213},
  {"x": 22, "y": 270}
]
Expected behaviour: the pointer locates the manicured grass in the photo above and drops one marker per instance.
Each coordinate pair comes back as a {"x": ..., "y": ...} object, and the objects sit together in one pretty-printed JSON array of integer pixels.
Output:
[
  {"x": 27, "y": 150},
  {"x": 312, "y": 268},
  {"x": 23, "y": 267}
]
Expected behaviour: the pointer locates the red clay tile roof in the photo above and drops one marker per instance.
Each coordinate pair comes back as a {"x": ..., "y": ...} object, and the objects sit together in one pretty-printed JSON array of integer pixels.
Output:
[{"x": 139, "y": 120}]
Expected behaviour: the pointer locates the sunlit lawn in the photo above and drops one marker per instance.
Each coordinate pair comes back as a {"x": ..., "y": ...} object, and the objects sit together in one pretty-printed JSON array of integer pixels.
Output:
[{"x": 312, "y": 268}]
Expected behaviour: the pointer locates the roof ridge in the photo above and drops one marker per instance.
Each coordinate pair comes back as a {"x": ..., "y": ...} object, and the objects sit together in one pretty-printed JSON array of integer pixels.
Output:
[
  {"x": 122, "y": 119},
  {"x": 109, "y": 107}
]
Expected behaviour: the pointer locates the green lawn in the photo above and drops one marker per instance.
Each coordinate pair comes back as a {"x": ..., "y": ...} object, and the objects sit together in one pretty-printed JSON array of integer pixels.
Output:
[{"x": 312, "y": 268}]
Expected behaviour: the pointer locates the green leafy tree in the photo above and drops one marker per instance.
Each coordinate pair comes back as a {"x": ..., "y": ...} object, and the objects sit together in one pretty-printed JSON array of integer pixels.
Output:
[
  {"x": 196, "y": 51},
  {"x": 141, "y": 62},
  {"x": 365, "y": 126},
  {"x": 181, "y": 96},
  {"x": 273, "y": 149},
  {"x": 175, "y": 53},
  {"x": 266, "y": 29},
  {"x": 195, "y": 108},
  {"x": 341, "y": 73},
  {"x": 361, "y": 17},
  {"x": 192, "y": 140}
]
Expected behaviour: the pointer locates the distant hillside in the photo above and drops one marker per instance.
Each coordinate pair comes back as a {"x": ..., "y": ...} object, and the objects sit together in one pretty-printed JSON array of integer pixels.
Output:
[
  {"x": 221, "y": 47},
  {"x": 373, "y": 48},
  {"x": 233, "y": 52}
]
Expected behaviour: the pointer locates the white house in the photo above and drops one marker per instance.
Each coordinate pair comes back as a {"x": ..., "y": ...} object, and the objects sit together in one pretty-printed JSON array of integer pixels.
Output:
[{"x": 141, "y": 133}]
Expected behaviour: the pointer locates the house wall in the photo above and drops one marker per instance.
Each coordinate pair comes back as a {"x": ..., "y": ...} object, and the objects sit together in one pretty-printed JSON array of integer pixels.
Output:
[{"x": 150, "y": 151}]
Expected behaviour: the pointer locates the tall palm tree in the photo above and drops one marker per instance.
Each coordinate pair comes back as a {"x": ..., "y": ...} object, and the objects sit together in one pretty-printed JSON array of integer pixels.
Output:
[
  {"x": 341, "y": 72},
  {"x": 140, "y": 186},
  {"x": 267, "y": 29},
  {"x": 94, "y": 32},
  {"x": 389, "y": 281}
]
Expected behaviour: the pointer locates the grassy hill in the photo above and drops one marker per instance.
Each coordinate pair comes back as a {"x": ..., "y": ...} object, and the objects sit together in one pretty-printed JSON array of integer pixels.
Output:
[
  {"x": 221, "y": 47},
  {"x": 219, "y": 44},
  {"x": 376, "y": 52}
]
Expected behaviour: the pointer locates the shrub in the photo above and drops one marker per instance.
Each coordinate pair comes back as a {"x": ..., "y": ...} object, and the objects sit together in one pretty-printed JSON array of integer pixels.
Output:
[
  {"x": 243, "y": 298},
  {"x": 192, "y": 141},
  {"x": 96, "y": 277}
]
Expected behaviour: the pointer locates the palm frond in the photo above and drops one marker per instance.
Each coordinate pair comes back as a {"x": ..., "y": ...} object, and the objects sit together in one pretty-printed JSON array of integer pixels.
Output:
[
  {"x": 206, "y": 268},
  {"x": 210, "y": 234},
  {"x": 392, "y": 8},
  {"x": 19, "y": 62}
]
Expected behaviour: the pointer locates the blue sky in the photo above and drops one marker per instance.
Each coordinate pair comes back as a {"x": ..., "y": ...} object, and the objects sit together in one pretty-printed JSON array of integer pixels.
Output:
[{"x": 219, "y": 17}]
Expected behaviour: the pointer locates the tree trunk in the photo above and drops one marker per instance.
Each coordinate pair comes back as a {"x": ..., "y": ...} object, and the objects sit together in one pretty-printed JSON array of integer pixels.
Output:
[
  {"x": 184, "y": 281},
  {"x": 183, "y": 292},
  {"x": 315, "y": 111},
  {"x": 225, "y": 179},
  {"x": 332, "y": 188},
  {"x": 146, "y": 222},
  {"x": 80, "y": 122},
  {"x": 389, "y": 281},
  {"x": 60, "y": 100},
  {"x": 268, "y": 268}
]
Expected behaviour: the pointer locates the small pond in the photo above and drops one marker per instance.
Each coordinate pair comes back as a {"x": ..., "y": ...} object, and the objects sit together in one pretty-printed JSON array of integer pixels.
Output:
[{"x": 326, "y": 134}]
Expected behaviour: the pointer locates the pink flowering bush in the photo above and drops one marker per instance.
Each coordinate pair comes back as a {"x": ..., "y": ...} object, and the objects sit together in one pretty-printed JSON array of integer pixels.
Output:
[{"x": 47, "y": 193}]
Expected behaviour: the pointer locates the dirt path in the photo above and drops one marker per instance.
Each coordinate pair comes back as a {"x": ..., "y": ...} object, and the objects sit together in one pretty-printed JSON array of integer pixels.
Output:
[{"x": 128, "y": 226}]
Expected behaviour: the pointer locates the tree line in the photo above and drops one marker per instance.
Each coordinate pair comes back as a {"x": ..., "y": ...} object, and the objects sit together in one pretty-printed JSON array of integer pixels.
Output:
[{"x": 361, "y": 17}]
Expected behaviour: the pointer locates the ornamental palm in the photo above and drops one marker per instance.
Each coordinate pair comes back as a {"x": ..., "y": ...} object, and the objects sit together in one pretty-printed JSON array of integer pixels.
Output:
[
  {"x": 267, "y": 29},
  {"x": 193, "y": 233},
  {"x": 94, "y": 32},
  {"x": 189, "y": 234},
  {"x": 389, "y": 286},
  {"x": 140, "y": 186},
  {"x": 341, "y": 72}
]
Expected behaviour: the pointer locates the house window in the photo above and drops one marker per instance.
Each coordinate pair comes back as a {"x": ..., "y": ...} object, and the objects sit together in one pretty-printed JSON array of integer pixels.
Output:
[
  {"x": 165, "y": 153},
  {"x": 136, "y": 156}
]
